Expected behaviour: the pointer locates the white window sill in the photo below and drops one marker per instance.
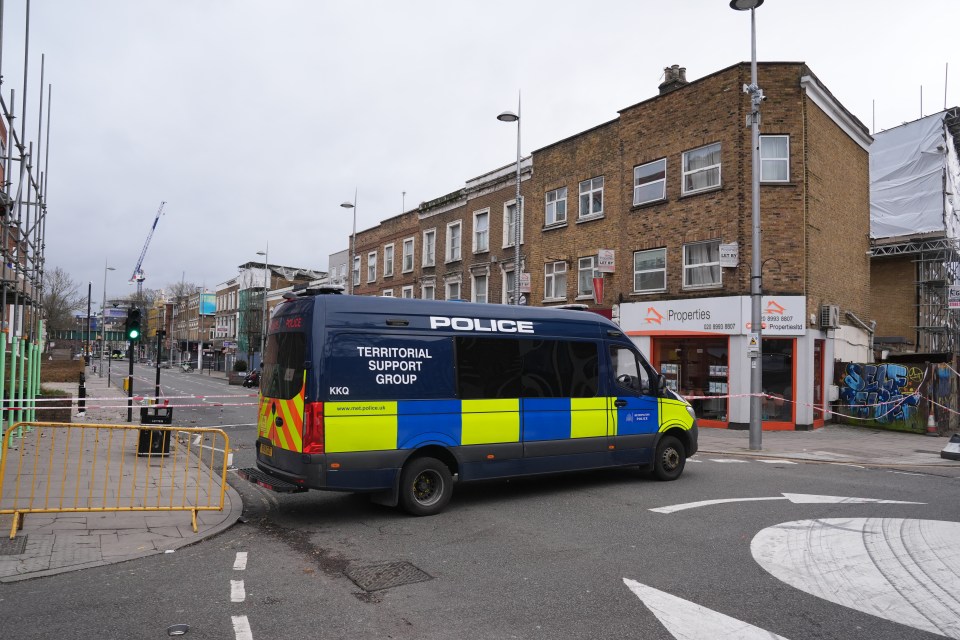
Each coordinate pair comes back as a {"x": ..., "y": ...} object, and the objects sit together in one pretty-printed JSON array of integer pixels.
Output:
[
  {"x": 590, "y": 218},
  {"x": 715, "y": 285},
  {"x": 647, "y": 293},
  {"x": 585, "y": 297},
  {"x": 553, "y": 300},
  {"x": 555, "y": 225}
]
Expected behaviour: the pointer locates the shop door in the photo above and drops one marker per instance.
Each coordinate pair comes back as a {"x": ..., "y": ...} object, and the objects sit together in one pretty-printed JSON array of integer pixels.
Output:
[{"x": 778, "y": 383}]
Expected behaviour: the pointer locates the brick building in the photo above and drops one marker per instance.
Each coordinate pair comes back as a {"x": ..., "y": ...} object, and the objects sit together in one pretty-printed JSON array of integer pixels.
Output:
[{"x": 644, "y": 205}]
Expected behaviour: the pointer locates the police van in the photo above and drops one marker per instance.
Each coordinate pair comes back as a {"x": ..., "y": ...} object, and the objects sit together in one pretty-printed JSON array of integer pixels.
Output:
[{"x": 398, "y": 397}]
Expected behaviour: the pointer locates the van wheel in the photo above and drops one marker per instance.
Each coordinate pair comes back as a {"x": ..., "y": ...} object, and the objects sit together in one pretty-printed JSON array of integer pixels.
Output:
[
  {"x": 670, "y": 458},
  {"x": 425, "y": 486}
]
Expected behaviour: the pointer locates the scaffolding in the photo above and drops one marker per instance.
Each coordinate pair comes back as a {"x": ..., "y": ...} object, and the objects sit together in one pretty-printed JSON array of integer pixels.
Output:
[{"x": 23, "y": 207}]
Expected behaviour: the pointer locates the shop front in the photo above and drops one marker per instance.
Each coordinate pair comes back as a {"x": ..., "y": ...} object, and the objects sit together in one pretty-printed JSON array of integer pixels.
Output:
[{"x": 703, "y": 347}]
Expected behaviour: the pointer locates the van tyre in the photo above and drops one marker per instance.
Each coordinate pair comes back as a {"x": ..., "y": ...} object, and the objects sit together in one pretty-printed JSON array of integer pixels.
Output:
[
  {"x": 670, "y": 459},
  {"x": 425, "y": 486}
]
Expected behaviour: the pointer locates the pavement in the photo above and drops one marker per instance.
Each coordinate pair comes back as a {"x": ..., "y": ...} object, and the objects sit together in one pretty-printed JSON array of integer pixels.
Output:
[
  {"x": 60, "y": 542},
  {"x": 52, "y": 543}
]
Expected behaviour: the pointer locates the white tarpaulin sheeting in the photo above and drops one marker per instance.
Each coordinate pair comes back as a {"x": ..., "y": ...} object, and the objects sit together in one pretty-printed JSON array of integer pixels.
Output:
[{"x": 908, "y": 165}]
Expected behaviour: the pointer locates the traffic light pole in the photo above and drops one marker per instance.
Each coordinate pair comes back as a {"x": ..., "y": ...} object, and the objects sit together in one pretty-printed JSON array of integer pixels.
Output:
[{"x": 130, "y": 384}]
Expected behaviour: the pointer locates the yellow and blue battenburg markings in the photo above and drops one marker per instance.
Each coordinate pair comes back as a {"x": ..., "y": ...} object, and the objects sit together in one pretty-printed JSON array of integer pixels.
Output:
[{"x": 404, "y": 424}]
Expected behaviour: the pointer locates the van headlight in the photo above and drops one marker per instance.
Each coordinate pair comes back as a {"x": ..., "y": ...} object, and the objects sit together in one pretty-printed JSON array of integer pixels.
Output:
[{"x": 693, "y": 414}]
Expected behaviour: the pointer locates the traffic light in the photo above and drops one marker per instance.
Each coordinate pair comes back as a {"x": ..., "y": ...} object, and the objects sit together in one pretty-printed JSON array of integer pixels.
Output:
[{"x": 133, "y": 324}]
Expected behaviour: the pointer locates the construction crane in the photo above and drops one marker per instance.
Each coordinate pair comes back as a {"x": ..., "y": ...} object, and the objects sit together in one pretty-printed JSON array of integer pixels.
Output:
[{"x": 138, "y": 276}]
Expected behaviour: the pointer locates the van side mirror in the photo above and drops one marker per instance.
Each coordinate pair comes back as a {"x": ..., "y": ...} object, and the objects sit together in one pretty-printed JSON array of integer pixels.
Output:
[{"x": 661, "y": 385}]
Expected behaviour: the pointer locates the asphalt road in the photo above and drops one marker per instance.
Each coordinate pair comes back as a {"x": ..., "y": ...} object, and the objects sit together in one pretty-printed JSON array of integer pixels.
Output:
[{"x": 562, "y": 557}]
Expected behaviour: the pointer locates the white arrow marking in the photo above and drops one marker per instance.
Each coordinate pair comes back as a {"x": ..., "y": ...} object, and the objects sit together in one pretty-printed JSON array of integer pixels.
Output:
[
  {"x": 687, "y": 620},
  {"x": 905, "y": 571},
  {"x": 796, "y": 498}
]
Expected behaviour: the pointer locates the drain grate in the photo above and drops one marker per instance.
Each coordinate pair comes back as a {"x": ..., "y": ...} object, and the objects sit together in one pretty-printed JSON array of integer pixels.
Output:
[
  {"x": 385, "y": 576},
  {"x": 13, "y": 547}
]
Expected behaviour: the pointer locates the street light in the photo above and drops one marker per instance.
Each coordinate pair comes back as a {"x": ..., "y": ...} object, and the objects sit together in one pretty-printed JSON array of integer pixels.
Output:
[
  {"x": 756, "y": 324},
  {"x": 509, "y": 116},
  {"x": 266, "y": 288},
  {"x": 353, "y": 237},
  {"x": 103, "y": 316}
]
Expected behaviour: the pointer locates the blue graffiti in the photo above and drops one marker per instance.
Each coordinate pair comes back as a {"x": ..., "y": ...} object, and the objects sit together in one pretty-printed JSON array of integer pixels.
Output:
[{"x": 880, "y": 392}]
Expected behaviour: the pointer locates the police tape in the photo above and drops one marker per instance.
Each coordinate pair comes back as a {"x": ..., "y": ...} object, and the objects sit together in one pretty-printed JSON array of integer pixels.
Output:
[
  {"x": 89, "y": 406},
  {"x": 891, "y": 406},
  {"x": 141, "y": 398}
]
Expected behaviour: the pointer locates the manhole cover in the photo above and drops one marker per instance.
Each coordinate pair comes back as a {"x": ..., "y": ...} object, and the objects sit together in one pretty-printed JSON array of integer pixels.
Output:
[
  {"x": 13, "y": 547},
  {"x": 385, "y": 576}
]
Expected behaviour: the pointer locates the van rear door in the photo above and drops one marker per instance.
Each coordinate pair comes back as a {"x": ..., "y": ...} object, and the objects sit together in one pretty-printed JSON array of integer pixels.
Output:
[{"x": 282, "y": 390}]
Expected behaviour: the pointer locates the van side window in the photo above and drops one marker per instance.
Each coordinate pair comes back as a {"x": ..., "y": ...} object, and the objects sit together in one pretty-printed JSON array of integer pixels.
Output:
[
  {"x": 627, "y": 371},
  {"x": 282, "y": 375},
  {"x": 559, "y": 369},
  {"x": 488, "y": 368}
]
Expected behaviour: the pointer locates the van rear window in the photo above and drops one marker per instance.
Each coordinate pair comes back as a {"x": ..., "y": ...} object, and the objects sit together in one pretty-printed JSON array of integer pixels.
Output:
[{"x": 283, "y": 365}]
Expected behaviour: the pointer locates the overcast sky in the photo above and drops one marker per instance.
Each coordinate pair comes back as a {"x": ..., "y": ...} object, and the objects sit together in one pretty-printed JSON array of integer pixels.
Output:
[{"x": 254, "y": 120}]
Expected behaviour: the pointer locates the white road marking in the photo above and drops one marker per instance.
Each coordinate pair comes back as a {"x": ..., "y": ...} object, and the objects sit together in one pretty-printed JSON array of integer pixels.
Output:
[
  {"x": 706, "y": 503},
  {"x": 795, "y": 498},
  {"x": 905, "y": 571},
  {"x": 237, "y": 592},
  {"x": 241, "y": 628},
  {"x": 777, "y": 461},
  {"x": 727, "y": 460},
  {"x": 906, "y": 473},
  {"x": 687, "y": 620},
  {"x": 241, "y": 562}
]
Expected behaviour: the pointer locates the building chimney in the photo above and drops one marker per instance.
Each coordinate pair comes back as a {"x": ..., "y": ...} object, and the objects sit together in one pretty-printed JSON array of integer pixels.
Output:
[{"x": 674, "y": 77}]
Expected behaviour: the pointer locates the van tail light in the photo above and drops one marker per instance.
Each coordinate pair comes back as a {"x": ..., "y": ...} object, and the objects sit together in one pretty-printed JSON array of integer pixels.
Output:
[{"x": 313, "y": 427}]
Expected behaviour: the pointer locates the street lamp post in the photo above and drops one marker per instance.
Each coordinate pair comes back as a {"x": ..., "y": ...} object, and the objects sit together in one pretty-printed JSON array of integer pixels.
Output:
[
  {"x": 266, "y": 288},
  {"x": 353, "y": 236},
  {"x": 509, "y": 116},
  {"x": 756, "y": 321},
  {"x": 103, "y": 316}
]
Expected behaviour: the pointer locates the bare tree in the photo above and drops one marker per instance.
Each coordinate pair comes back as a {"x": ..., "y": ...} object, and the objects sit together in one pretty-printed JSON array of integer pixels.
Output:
[
  {"x": 61, "y": 299},
  {"x": 180, "y": 289}
]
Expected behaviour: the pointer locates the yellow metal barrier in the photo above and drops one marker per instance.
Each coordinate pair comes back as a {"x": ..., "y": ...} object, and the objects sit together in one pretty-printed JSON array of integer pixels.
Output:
[{"x": 52, "y": 467}]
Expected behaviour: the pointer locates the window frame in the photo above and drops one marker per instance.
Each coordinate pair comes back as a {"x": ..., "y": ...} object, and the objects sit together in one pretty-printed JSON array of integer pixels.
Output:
[
  {"x": 405, "y": 290},
  {"x": 701, "y": 265},
  {"x": 637, "y": 272},
  {"x": 388, "y": 254},
  {"x": 663, "y": 181},
  {"x": 474, "y": 289},
  {"x": 553, "y": 205},
  {"x": 448, "y": 285},
  {"x": 580, "y": 270},
  {"x": 507, "y": 236},
  {"x": 784, "y": 160},
  {"x": 550, "y": 289},
  {"x": 477, "y": 248},
  {"x": 386, "y": 293},
  {"x": 589, "y": 193},
  {"x": 412, "y": 243},
  {"x": 372, "y": 266},
  {"x": 429, "y": 247},
  {"x": 431, "y": 287},
  {"x": 449, "y": 245},
  {"x": 355, "y": 273},
  {"x": 685, "y": 172}
]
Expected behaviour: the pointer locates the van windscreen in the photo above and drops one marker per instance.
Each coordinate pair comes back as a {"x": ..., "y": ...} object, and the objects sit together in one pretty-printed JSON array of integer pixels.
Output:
[{"x": 283, "y": 365}]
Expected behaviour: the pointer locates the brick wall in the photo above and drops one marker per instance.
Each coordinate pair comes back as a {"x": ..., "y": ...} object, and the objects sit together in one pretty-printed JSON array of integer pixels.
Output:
[{"x": 893, "y": 282}]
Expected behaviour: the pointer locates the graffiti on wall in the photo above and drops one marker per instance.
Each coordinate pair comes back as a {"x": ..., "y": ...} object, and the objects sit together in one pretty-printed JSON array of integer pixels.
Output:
[{"x": 882, "y": 393}]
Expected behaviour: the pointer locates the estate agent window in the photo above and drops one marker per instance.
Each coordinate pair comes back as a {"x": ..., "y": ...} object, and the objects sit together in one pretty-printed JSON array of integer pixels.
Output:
[
  {"x": 556, "y": 211},
  {"x": 650, "y": 182},
  {"x": 701, "y": 265},
  {"x": 774, "y": 158},
  {"x": 591, "y": 197},
  {"x": 701, "y": 168},
  {"x": 650, "y": 271}
]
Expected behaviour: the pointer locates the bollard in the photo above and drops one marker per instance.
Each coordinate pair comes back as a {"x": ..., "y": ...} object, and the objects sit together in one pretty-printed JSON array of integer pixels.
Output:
[{"x": 81, "y": 395}]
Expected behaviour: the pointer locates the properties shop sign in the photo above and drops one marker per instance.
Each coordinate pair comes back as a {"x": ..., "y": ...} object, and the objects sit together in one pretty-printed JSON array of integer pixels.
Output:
[{"x": 782, "y": 315}]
